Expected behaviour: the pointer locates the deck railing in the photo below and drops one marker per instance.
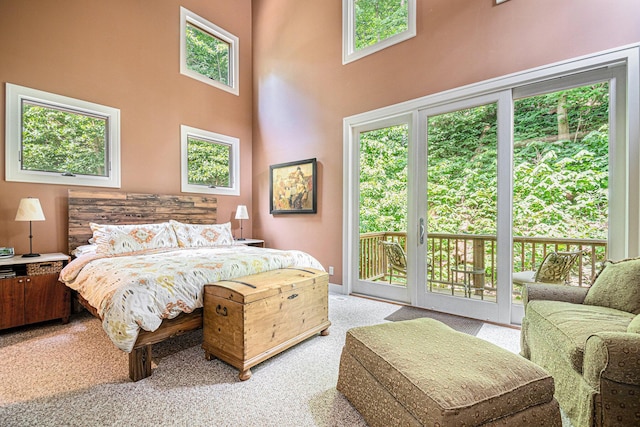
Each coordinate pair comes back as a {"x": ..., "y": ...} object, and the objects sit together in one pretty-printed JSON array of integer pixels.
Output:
[{"x": 446, "y": 251}]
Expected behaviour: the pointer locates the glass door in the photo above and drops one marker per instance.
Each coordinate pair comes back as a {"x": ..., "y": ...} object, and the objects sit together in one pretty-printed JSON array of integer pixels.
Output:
[
  {"x": 383, "y": 266},
  {"x": 460, "y": 172}
]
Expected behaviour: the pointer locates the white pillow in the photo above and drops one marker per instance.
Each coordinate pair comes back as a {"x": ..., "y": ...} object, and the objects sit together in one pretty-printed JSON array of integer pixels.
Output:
[
  {"x": 84, "y": 250},
  {"x": 119, "y": 239},
  {"x": 202, "y": 235}
]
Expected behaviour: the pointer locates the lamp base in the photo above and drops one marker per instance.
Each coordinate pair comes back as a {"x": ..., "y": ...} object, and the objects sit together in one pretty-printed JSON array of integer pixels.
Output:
[{"x": 30, "y": 255}]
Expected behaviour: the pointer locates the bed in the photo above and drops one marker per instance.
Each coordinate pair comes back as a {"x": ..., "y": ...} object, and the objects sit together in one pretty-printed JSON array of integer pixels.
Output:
[{"x": 146, "y": 294}]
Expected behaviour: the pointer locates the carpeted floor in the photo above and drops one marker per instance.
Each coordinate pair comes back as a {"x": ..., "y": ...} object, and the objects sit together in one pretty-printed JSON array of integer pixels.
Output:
[{"x": 72, "y": 375}]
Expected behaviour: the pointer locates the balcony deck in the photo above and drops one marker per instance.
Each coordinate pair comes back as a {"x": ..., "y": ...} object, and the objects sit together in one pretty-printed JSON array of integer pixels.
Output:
[{"x": 478, "y": 254}]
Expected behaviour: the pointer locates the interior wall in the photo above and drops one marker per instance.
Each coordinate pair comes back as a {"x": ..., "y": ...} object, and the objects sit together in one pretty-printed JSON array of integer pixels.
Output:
[
  {"x": 302, "y": 91},
  {"x": 124, "y": 54}
]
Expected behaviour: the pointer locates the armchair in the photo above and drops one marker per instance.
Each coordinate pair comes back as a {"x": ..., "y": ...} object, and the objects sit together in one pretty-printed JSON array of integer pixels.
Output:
[{"x": 588, "y": 339}]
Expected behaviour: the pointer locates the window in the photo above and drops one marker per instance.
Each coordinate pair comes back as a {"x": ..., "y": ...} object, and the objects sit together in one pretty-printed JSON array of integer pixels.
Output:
[
  {"x": 210, "y": 162},
  {"x": 372, "y": 25},
  {"x": 53, "y": 139},
  {"x": 208, "y": 53}
]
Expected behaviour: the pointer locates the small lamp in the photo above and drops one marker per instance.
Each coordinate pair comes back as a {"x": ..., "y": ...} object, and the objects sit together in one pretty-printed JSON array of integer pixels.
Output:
[
  {"x": 241, "y": 213},
  {"x": 30, "y": 210}
]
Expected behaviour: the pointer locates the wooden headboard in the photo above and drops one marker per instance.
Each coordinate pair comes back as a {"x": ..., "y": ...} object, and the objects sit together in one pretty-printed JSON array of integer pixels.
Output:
[{"x": 110, "y": 207}]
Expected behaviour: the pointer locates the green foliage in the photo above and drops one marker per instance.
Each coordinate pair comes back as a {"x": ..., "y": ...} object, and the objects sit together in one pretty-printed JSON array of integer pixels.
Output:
[
  {"x": 560, "y": 186},
  {"x": 207, "y": 55},
  {"x": 383, "y": 179},
  {"x": 208, "y": 163},
  {"x": 56, "y": 140},
  {"x": 377, "y": 20}
]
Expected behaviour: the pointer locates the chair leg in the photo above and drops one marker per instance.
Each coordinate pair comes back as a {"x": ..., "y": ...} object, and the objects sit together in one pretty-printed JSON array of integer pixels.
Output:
[{"x": 390, "y": 275}]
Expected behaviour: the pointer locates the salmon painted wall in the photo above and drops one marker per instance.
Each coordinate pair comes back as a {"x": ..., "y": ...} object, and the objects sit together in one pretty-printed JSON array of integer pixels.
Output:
[
  {"x": 302, "y": 91},
  {"x": 124, "y": 54}
]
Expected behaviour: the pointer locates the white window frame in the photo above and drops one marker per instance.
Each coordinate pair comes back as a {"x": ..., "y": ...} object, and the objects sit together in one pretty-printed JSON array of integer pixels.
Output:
[
  {"x": 186, "y": 16},
  {"x": 215, "y": 138},
  {"x": 349, "y": 52},
  {"x": 15, "y": 95}
]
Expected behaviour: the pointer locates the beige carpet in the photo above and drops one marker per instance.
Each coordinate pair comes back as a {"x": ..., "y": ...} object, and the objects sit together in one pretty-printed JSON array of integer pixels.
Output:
[{"x": 72, "y": 375}]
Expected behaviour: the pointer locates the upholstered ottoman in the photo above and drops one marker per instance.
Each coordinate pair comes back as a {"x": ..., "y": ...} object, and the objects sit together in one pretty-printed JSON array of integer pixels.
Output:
[{"x": 423, "y": 373}]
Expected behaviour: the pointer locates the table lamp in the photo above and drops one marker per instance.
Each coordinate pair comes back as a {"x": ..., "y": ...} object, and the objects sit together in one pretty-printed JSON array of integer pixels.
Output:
[
  {"x": 241, "y": 213},
  {"x": 30, "y": 210}
]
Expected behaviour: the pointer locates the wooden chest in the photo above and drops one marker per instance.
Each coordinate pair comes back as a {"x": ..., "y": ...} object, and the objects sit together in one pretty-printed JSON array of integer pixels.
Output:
[{"x": 251, "y": 318}]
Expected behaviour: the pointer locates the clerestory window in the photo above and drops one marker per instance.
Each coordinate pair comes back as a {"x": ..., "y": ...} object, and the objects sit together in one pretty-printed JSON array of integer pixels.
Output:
[
  {"x": 372, "y": 25},
  {"x": 208, "y": 53}
]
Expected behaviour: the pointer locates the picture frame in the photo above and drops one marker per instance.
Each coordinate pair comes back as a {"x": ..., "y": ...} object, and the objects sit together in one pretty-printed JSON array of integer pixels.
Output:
[{"x": 293, "y": 187}]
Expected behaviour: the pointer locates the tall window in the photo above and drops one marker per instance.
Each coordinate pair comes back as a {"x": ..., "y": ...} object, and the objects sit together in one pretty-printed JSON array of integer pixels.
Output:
[
  {"x": 210, "y": 162},
  {"x": 208, "y": 53},
  {"x": 372, "y": 25},
  {"x": 54, "y": 139}
]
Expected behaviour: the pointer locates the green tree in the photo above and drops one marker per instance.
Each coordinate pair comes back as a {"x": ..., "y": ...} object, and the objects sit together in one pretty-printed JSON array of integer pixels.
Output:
[{"x": 377, "y": 20}]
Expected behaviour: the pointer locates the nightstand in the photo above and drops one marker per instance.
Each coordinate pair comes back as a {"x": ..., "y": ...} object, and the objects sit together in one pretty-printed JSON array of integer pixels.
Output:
[
  {"x": 30, "y": 291},
  {"x": 250, "y": 242}
]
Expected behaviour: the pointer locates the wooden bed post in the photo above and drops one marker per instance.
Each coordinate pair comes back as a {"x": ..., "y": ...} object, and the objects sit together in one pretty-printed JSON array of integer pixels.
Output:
[{"x": 140, "y": 363}]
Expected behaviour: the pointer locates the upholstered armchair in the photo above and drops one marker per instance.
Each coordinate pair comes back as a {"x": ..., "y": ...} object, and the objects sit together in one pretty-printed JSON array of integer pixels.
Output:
[{"x": 588, "y": 339}]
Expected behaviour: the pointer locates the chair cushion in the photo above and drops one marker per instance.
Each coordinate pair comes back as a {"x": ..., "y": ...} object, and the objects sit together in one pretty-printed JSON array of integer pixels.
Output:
[
  {"x": 445, "y": 377},
  {"x": 567, "y": 326},
  {"x": 617, "y": 286},
  {"x": 555, "y": 267}
]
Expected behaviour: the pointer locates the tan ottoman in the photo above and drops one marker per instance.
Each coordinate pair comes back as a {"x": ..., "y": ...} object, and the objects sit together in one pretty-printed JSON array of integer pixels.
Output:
[{"x": 421, "y": 372}]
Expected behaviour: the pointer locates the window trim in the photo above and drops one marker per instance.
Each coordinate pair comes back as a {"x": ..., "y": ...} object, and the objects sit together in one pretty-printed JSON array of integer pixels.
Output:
[
  {"x": 349, "y": 52},
  {"x": 186, "y": 16},
  {"x": 15, "y": 95},
  {"x": 234, "y": 173}
]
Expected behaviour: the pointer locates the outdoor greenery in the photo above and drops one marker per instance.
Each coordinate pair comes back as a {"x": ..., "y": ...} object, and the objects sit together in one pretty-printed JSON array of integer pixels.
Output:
[
  {"x": 208, "y": 163},
  {"x": 560, "y": 169},
  {"x": 207, "y": 55},
  {"x": 377, "y": 20},
  {"x": 55, "y": 140}
]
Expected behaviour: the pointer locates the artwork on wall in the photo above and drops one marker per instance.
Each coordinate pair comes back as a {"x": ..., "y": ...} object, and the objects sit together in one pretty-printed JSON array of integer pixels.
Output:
[{"x": 292, "y": 187}]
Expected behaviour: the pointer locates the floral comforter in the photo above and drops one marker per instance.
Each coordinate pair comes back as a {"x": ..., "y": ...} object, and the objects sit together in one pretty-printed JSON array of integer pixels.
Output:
[{"x": 134, "y": 291}]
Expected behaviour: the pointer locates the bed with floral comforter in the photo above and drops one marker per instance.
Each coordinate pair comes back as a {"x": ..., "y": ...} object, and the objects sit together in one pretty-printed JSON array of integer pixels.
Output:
[{"x": 133, "y": 291}]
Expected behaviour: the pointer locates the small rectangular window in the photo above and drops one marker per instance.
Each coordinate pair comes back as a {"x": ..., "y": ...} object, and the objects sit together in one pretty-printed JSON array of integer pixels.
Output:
[
  {"x": 210, "y": 162},
  {"x": 373, "y": 25},
  {"x": 208, "y": 53},
  {"x": 54, "y": 139}
]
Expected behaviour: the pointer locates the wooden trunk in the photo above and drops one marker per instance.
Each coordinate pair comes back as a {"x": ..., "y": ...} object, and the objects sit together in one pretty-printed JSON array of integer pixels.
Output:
[{"x": 251, "y": 318}]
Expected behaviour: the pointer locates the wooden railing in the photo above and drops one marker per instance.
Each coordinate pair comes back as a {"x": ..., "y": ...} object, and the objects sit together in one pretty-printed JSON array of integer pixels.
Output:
[{"x": 446, "y": 251}]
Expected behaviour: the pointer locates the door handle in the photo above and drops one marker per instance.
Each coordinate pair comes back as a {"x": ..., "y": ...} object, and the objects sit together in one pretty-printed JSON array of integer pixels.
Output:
[{"x": 421, "y": 231}]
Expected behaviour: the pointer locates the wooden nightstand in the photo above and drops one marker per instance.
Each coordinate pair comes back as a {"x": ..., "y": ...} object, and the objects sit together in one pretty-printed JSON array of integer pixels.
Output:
[
  {"x": 34, "y": 294},
  {"x": 250, "y": 242}
]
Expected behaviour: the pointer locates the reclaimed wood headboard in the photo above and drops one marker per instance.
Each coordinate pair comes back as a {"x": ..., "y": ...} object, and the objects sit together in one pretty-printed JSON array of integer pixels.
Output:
[{"x": 110, "y": 207}]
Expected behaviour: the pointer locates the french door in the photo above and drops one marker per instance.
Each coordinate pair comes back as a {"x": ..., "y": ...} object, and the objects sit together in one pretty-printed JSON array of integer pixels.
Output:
[{"x": 445, "y": 200}]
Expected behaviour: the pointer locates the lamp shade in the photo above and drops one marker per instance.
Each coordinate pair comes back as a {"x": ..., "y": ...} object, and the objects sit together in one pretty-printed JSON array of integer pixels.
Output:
[
  {"x": 30, "y": 210},
  {"x": 241, "y": 212}
]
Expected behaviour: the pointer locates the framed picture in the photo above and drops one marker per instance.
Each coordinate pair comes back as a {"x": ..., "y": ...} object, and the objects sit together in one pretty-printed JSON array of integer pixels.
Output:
[{"x": 292, "y": 187}]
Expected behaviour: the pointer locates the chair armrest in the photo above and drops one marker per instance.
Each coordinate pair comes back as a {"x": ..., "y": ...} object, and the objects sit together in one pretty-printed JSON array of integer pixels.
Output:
[
  {"x": 534, "y": 291},
  {"x": 614, "y": 356}
]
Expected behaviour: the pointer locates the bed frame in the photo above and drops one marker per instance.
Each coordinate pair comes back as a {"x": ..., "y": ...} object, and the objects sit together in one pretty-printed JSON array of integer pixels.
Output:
[{"x": 108, "y": 207}]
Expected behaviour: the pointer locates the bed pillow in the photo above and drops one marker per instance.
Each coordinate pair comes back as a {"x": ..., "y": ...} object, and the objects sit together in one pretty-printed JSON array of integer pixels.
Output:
[
  {"x": 617, "y": 286},
  {"x": 119, "y": 239},
  {"x": 202, "y": 235},
  {"x": 85, "y": 250}
]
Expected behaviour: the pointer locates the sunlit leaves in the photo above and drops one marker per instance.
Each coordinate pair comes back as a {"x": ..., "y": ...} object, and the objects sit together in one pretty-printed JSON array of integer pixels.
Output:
[
  {"x": 560, "y": 187},
  {"x": 55, "y": 140},
  {"x": 208, "y": 163},
  {"x": 377, "y": 20},
  {"x": 207, "y": 54}
]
